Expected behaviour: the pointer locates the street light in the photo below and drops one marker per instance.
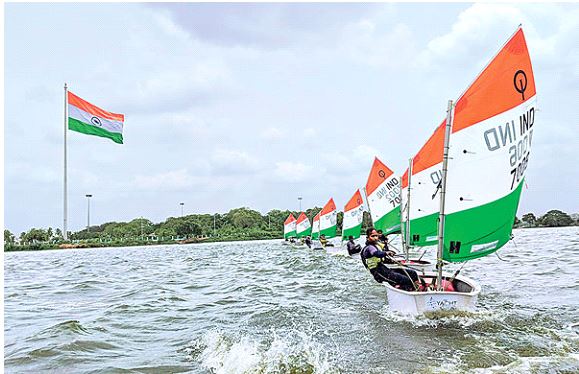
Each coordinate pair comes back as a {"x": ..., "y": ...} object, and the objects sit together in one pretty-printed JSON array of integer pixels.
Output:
[
  {"x": 88, "y": 196},
  {"x": 300, "y": 200},
  {"x": 181, "y": 208}
]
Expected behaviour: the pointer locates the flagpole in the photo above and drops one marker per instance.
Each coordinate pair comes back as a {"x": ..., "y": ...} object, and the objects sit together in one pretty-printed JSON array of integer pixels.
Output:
[{"x": 65, "y": 232}]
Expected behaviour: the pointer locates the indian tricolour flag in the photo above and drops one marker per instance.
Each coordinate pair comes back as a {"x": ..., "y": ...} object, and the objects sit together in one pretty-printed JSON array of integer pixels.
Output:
[
  {"x": 89, "y": 119},
  {"x": 328, "y": 219},
  {"x": 353, "y": 216},
  {"x": 383, "y": 194}
]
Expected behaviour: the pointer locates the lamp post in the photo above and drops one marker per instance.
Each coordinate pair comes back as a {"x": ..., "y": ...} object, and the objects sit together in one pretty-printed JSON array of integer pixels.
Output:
[
  {"x": 181, "y": 208},
  {"x": 88, "y": 196},
  {"x": 300, "y": 200}
]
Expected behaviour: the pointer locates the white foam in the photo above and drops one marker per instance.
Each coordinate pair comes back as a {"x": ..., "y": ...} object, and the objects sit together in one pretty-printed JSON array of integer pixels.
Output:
[{"x": 221, "y": 354}]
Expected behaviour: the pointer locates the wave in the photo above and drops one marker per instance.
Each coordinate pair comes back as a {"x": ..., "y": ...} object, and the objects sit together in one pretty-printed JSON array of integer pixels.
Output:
[{"x": 224, "y": 353}]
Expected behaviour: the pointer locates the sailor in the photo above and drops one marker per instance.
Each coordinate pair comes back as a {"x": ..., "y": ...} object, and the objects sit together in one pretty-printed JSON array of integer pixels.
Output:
[
  {"x": 308, "y": 241},
  {"x": 382, "y": 240},
  {"x": 323, "y": 240},
  {"x": 374, "y": 260},
  {"x": 352, "y": 247}
]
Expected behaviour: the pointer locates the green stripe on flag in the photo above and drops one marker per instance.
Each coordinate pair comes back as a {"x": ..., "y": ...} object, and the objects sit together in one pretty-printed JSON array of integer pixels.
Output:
[{"x": 76, "y": 125}]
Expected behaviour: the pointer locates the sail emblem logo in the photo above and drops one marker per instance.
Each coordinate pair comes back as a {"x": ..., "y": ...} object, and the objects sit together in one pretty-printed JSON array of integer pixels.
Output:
[
  {"x": 96, "y": 121},
  {"x": 382, "y": 174},
  {"x": 520, "y": 82}
]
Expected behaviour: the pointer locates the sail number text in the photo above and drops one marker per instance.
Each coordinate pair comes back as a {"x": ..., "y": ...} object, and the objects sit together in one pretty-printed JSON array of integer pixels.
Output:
[
  {"x": 519, "y": 150},
  {"x": 391, "y": 191}
]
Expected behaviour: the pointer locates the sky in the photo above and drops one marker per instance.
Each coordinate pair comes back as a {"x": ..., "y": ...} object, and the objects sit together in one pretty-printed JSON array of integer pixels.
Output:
[{"x": 230, "y": 105}]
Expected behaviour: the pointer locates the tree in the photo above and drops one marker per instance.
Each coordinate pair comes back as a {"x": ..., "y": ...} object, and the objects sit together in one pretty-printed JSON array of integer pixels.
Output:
[
  {"x": 245, "y": 218},
  {"x": 8, "y": 237},
  {"x": 530, "y": 219},
  {"x": 517, "y": 221},
  {"x": 555, "y": 218},
  {"x": 36, "y": 235}
]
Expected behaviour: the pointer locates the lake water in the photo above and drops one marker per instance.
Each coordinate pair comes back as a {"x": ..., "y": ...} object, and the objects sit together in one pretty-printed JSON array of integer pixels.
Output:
[{"x": 262, "y": 307}]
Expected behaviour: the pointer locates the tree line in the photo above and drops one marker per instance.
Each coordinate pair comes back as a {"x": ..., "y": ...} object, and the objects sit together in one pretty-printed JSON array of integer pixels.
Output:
[{"x": 237, "y": 224}]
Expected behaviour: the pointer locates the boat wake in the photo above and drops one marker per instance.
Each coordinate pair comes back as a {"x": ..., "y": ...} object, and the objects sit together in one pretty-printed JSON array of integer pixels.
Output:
[
  {"x": 446, "y": 318},
  {"x": 221, "y": 352}
]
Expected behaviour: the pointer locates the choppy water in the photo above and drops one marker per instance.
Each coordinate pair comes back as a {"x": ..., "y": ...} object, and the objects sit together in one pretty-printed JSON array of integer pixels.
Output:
[{"x": 261, "y": 307}]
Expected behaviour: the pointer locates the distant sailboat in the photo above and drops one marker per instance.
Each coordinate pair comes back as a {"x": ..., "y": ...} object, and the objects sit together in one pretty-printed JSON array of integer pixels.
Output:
[
  {"x": 384, "y": 197},
  {"x": 316, "y": 227},
  {"x": 353, "y": 217},
  {"x": 289, "y": 228},
  {"x": 328, "y": 225},
  {"x": 303, "y": 227},
  {"x": 484, "y": 155}
]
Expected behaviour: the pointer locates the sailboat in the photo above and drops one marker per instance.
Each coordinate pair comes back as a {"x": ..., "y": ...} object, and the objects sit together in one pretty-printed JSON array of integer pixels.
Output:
[
  {"x": 316, "y": 232},
  {"x": 384, "y": 197},
  {"x": 483, "y": 158},
  {"x": 328, "y": 227},
  {"x": 352, "y": 222},
  {"x": 289, "y": 229},
  {"x": 303, "y": 227}
]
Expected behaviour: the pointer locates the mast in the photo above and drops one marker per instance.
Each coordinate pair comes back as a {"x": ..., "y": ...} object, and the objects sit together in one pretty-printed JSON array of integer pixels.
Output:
[
  {"x": 65, "y": 214},
  {"x": 407, "y": 234},
  {"x": 449, "y": 119}
]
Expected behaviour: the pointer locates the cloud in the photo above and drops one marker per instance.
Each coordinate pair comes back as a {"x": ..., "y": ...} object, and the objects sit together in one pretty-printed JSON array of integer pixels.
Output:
[
  {"x": 472, "y": 36},
  {"x": 171, "y": 180},
  {"x": 310, "y": 133},
  {"x": 244, "y": 25},
  {"x": 232, "y": 161},
  {"x": 367, "y": 43},
  {"x": 293, "y": 171},
  {"x": 273, "y": 133}
]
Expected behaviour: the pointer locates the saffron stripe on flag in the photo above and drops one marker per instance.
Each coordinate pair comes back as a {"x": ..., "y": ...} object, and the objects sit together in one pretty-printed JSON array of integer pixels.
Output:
[{"x": 92, "y": 109}]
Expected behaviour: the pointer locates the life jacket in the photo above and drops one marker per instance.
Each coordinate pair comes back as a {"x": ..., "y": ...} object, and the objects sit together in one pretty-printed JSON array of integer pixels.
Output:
[{"x": 371, "y": 262}]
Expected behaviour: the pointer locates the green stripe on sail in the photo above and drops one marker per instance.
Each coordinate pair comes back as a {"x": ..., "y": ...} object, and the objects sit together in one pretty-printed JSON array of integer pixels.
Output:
[
  {"x": 305, "y": 233},
  {"x": 353, "y": 231},
  {"x": 424, "y": 230},
  {"x": 315, "y": 235},
  {"x": 330, "y": 232},
  {"x": 76, "y": 125},
  {"x": 389, "y": 223},
  {"x": 487, "y": 227},
  {"x": 289, "y": 234}
]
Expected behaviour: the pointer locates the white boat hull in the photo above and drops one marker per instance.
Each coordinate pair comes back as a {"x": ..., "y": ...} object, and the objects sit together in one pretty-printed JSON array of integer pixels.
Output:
[{"x": 420, "y": 302}]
